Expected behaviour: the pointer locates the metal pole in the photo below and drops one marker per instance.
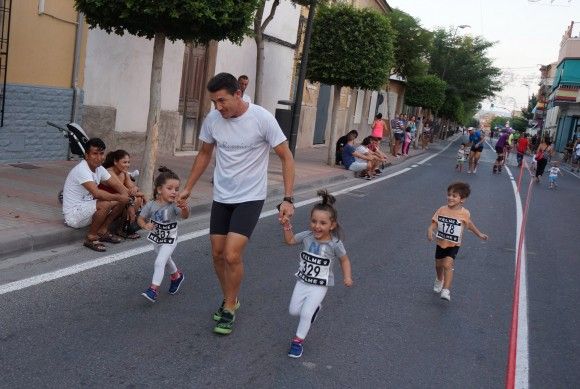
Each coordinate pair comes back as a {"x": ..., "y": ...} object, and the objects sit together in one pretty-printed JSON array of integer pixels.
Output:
[{"x": 301, "y": 76}]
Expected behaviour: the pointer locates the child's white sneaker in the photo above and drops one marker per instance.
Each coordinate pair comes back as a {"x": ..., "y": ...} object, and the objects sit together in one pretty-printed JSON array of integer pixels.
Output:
[
  {"x": 446, "y": 294},
  {"x": 437, "y": 286}
]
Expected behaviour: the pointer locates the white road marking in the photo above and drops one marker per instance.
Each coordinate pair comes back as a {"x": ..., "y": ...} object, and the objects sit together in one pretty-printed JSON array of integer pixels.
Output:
[
  {"x": 522, "y": 350},
  {"x": 108, "y": 259}
]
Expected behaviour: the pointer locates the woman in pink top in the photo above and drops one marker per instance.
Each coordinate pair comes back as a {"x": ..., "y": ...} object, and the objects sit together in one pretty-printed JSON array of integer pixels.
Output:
[{"x": 378, "y": 126}]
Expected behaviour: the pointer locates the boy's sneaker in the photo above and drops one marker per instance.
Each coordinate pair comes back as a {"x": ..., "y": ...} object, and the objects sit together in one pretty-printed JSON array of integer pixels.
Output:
[
  {"x": 437, "y": 286},
  {"x": 446, "y": 294},
  {"x": 150, "y": 294},
  {"x": 218, "y": 314},
  {"x": 175, "y": 284},
  {"x": 315, "y": 315},
  {"x": 295, "y": 350},
  {"x": 225, "y": 324}
]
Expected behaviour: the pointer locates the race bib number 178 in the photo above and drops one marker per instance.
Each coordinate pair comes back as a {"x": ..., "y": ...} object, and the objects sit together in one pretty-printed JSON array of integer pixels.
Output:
[{"x": 449, "y": 229}]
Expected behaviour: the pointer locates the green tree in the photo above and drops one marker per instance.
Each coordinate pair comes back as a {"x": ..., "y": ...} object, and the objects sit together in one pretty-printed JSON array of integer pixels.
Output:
[
  {"x": 463, "y": 62},
  {"x": 195, "y": 21},
  {"x": 411, "y": 46},
  {"x": 350, "y": 47},
  {"x": 426, "y": 91},
  {"x": 498, "y": 121},
  {"x": 527, "y": 112},
  {"x": 519, "y": 124}
]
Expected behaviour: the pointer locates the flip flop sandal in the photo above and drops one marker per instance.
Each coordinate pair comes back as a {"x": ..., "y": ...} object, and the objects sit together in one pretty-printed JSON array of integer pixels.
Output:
[
  {"x": 110, "y": 238},
  {"x": 128, "y": 236},
  {"x": 95, "y": 245}
]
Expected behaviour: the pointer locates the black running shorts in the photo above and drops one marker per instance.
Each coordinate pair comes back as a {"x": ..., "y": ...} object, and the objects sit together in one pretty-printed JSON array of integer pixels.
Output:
[
  {"x": 240, "y": 218},
  {"x": 441, "y": 253}
]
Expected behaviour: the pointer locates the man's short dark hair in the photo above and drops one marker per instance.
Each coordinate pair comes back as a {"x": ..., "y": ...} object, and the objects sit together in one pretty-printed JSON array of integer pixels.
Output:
[
  {"x": 461, "y": 188},
  {"x": 223, "y": 81},
  {"x": 243, "y": 77},
  {"x": 354, "y": 132},
  {"x": 96, "y": 143}
]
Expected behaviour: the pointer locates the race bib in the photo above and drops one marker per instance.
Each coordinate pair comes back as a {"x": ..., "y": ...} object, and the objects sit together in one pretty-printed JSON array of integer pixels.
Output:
[
  {"x": 449, "y": 229},
  {"x": 313, "y": 269},
  {"x": 163, "y": 233}
]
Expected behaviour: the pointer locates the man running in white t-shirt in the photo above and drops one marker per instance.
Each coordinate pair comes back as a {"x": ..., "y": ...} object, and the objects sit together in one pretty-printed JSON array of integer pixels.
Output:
[{"x": 242, "y": 135}]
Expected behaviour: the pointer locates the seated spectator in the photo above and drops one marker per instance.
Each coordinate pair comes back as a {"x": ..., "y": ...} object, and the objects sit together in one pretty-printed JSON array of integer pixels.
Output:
[
  {"x": 84, "y": 204},
  {"x": 117, "y": 164},
  {"x": 375, "y": 147},
  {"x": 340, "y": 144},
  {"x": 358, "y": 161}
]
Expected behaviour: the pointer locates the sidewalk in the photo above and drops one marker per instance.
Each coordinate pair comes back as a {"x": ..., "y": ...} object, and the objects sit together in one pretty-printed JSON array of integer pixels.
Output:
[{"x": 31, "y": 215}]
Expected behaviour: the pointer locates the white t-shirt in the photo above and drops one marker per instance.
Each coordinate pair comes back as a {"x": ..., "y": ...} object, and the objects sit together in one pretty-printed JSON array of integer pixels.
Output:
[
  {"x": 246, "y": 98},
  {"x": 242, "y": 152},
  {"x": 362, "y": 150},
  {"x": 578, "y": 150},
  {"x": 74, "y": 192}
]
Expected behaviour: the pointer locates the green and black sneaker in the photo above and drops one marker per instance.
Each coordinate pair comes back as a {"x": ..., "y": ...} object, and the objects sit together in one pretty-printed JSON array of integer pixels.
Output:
[
  {"x": 218, "y": 314},
  {"x": 225, "y": 324}
]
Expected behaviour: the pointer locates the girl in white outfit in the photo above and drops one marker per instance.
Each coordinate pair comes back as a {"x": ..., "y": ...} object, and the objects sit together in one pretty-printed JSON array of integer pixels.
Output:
[
  {"x": 321, "y": 249},
  {"x": 160, "y": 218}
]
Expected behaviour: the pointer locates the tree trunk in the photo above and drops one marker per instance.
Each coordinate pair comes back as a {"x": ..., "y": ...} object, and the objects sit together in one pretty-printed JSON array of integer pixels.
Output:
[
  {"x": 259, "y": 28},
  {"x": 153, "y": 119},
  {"x": 259, "y": 38},
  {"x": 332, "y": 138}
]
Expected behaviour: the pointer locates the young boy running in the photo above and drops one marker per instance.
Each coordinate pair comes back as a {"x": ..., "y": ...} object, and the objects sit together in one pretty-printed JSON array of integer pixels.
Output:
[{"x": 449, "y": 222}]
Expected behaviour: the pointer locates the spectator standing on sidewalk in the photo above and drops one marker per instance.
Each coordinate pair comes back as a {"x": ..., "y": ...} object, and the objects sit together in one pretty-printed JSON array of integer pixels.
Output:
[
  {"x": 398, "y": 132},
  {"x": 378, "y": 127},
  {"x": 242, "y": 135},
  {"x": 243, "y": 82},
  {"x": 84, "y": 204}
]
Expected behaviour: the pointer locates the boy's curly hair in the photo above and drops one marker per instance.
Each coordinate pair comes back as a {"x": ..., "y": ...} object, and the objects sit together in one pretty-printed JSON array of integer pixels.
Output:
[{"x": 461, "y": 188}]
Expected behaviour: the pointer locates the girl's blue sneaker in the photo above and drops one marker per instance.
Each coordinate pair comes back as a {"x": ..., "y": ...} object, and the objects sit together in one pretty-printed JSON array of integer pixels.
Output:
[{"x": 295, "y": 350}]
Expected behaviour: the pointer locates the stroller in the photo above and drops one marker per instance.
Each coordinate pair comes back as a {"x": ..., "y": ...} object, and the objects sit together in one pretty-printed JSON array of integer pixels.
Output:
[{"x": 77, "y": 138}]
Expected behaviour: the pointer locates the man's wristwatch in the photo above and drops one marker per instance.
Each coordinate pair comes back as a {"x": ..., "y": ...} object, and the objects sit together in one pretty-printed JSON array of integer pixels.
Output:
[{"x": 288, "y": 199}]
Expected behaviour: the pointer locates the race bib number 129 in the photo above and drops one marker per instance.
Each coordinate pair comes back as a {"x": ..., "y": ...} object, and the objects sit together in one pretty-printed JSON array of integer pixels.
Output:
[
  {"x": 313, "y": 269},
  {"x": 163, "y": 233}
]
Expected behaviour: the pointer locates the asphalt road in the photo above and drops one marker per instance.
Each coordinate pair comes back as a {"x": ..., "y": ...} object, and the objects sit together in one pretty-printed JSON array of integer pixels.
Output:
[{"x": 389, "y": 330}]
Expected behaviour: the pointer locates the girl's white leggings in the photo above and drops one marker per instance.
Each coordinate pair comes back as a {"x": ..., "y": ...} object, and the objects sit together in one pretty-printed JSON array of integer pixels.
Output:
[
  {"x": 305, "y": 300},
  {"x": 163, "y": 259}
]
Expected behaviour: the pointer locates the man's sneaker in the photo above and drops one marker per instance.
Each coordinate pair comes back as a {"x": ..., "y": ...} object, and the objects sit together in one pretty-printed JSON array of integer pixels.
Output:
[
  {"x": 445, "y": 294},
  {"x": 468, "y": 171},
  {"x": 315, "y": 315},
  {"x": 218, "y": 314},
  {"x": 378, "y": 171},
  {"x": 295, "y": 350},
  {"x": 474, "y": 170},
  {"x": 150, "y": 294},
  {"x": 225, "y": 323},
  {"x": 175, "y": 284},
  {"x": 437, "y": 286}
]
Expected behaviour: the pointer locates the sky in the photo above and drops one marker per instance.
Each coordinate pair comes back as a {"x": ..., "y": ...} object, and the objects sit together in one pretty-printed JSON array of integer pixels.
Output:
[{"x": 528, "y": 33}]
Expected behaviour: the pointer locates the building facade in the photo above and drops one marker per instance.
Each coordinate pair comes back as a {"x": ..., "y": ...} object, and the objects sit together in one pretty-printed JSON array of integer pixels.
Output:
[
  {"x": 563, "y": 118},
  {"x": 43, "y": 77}
]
